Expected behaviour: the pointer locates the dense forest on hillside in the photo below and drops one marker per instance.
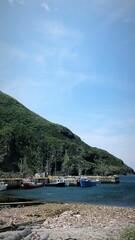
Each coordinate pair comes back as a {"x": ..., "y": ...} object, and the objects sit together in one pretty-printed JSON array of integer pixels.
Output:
[{"x": 31, "y": 144}]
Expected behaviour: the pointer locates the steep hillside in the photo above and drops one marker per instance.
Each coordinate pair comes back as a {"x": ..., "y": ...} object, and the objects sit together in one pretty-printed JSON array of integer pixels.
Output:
[{"x": 30, "y": 144}]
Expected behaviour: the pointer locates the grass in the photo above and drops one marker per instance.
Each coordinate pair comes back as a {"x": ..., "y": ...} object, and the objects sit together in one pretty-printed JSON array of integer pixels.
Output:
[{"x": 127, "y": 234}]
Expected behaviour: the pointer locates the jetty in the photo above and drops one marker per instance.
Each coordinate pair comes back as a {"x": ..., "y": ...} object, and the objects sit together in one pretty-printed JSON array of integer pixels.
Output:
[
  {"x": 74, "y": 180},
  {"x": 14, "y": 183}
]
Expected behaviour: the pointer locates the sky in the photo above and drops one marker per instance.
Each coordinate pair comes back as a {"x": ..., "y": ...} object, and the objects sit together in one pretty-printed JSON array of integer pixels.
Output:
[{"x": 73, "y": 63}]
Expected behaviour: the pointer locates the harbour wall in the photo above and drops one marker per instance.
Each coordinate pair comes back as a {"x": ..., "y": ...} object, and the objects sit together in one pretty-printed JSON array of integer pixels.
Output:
[{"x": 14, "y": 183}]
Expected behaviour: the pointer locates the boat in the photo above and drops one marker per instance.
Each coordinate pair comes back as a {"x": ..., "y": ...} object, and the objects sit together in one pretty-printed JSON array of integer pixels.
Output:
[
  {"x": 60, "y": 182},
  {"x": 30, "y": 183},
  {"x": 3, "y": 186},
  {"x": 85, "y": 182}
]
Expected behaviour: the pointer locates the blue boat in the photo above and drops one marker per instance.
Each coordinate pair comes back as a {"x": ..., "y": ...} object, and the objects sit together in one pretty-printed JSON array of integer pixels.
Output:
[{"x": 87, "y": 182}]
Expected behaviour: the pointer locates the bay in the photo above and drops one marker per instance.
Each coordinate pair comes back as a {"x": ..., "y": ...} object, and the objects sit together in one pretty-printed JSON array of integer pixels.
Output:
[{"x": 121, "y": 194}]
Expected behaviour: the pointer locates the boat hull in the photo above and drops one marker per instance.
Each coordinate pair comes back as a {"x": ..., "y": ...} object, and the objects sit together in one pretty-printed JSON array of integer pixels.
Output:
[
  {"x": 87, "y": 183},
  {"x": 3, "y": 186},
  {"x": 31, "y": 186},
  {"x": 61, "y": 184}
]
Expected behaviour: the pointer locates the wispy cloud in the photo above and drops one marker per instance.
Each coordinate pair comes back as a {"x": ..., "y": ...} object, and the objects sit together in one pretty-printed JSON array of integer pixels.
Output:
[
  {"x": 113, "y": 11},
  {"x": 13, "y": 52},
  {"x": 58, "y": 29},
  {"x": 63, "y": 42},
  {"x": 45, "y": 6},
  {"x": 16, "y": 53},
  {"x": 12, "y": 2}
]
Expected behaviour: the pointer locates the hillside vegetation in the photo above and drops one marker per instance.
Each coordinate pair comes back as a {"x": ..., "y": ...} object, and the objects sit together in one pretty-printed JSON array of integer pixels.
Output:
[{"x": 30, "y": 144}]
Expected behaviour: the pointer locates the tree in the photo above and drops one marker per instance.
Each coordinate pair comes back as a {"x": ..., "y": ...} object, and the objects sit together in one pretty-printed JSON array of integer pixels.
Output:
[{"x": 66, "y": 163}]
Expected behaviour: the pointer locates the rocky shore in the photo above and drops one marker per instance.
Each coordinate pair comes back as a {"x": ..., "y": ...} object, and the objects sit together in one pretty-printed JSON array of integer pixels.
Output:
[{"x": 64, "y": 221}]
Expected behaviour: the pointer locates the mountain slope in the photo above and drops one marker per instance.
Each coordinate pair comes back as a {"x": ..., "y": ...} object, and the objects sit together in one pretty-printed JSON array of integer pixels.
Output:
[{"x": 30, "y": 144}]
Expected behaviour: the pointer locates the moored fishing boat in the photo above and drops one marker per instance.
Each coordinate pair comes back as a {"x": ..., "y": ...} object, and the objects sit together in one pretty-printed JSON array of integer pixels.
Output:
[
  {"x": 3, "y": 186},
  {"x": 85, "y": 182},
  {"x": 30, "y": 183},
  {"x": 60, "y": 182}
]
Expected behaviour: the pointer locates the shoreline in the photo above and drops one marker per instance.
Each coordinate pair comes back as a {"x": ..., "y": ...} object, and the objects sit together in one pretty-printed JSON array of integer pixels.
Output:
[
  {"x": 63, "y": 220},
  {"x": 29, "y": 202}
]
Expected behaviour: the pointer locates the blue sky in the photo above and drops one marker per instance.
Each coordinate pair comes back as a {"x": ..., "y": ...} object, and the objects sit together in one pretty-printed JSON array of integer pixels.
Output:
[{"x": 73, "y": 63}]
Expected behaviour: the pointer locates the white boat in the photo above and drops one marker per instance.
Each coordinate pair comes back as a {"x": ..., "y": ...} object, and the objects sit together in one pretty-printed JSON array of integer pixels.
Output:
[{"x": 3, "y": 186}]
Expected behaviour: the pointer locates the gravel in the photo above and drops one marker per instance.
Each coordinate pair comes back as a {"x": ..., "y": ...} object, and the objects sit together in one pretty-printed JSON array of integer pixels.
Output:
[{"x": 54, "y": 221}]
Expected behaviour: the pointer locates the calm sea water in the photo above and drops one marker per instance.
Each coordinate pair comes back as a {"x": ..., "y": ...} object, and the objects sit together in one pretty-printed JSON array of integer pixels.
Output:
[{"x": 121, "y": 194}]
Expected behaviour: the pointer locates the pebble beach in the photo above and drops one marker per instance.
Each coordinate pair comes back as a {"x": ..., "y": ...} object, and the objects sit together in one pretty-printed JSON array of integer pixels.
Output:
[{"x": 64, "y": 221}]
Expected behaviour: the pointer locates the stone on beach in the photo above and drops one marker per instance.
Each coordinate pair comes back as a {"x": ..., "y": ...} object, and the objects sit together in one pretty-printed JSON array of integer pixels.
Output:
[{"x": 67, "y": 221}]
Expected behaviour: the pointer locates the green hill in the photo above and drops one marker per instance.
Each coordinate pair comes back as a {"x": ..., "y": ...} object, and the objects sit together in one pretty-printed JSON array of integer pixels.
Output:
[{"x": 30, "y": 144}]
